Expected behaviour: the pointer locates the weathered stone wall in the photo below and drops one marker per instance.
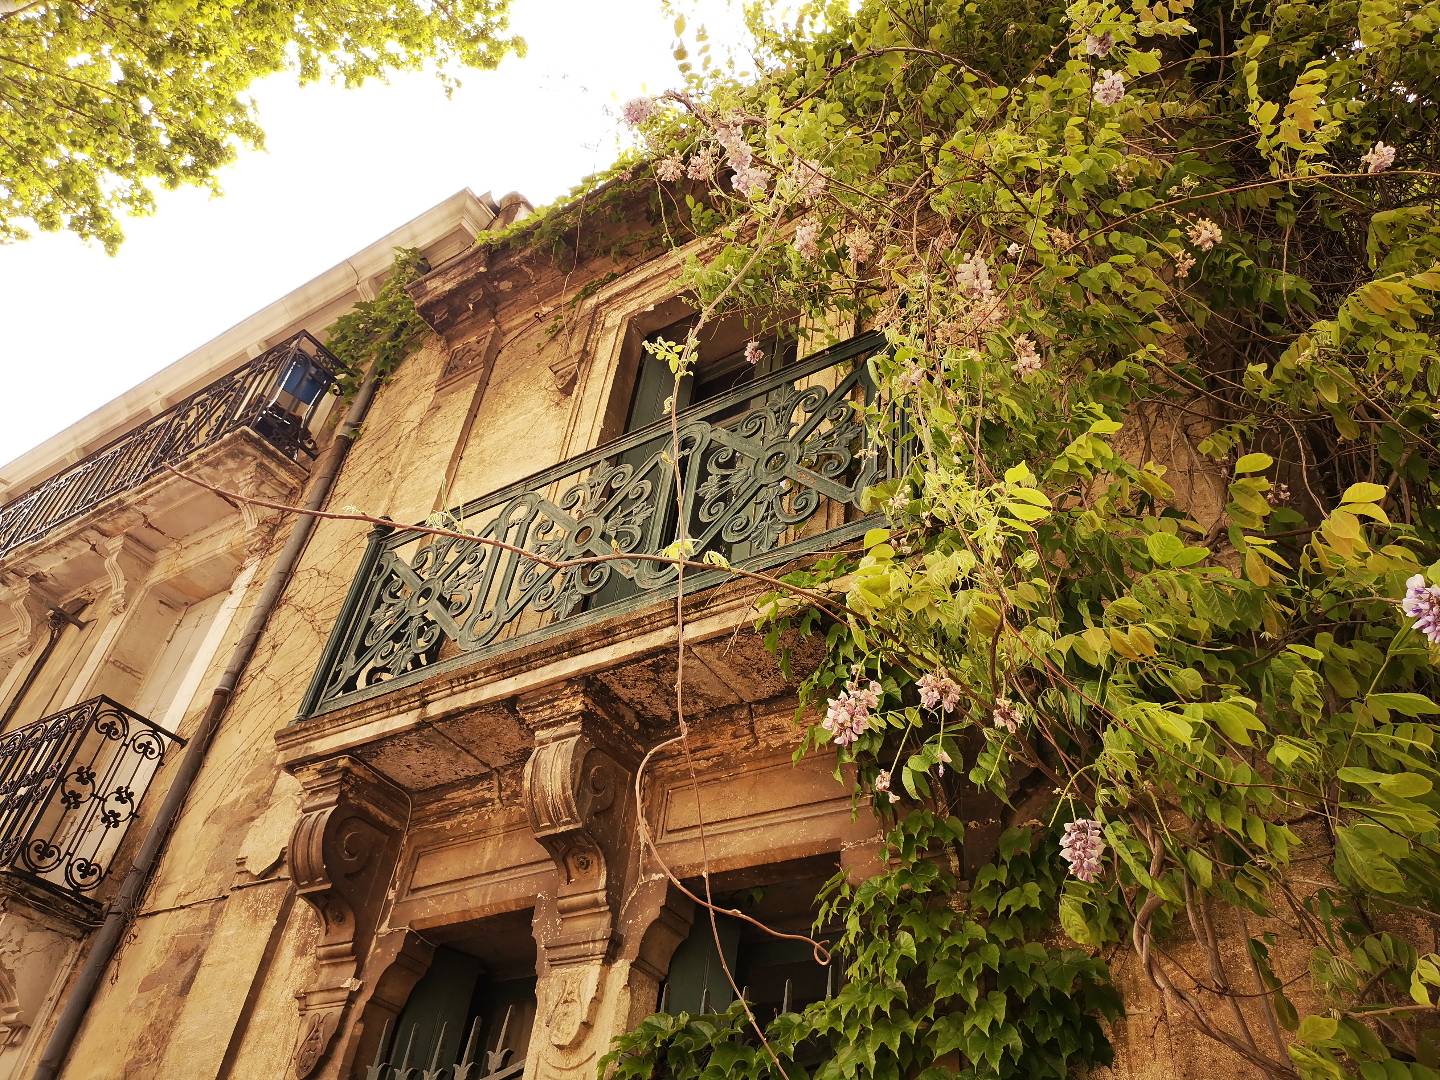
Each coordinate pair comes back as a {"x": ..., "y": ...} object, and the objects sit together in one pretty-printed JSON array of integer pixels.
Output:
[{"x": 205, "y": 984}]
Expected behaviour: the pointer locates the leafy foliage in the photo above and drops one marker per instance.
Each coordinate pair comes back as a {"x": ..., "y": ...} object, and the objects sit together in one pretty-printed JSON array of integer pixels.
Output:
[
  {"x": 383, "y": 331},
  {"x": 928, "y": 991},
  {"x": 107, "y": 99},
  {"x": 1159, "y": 286}
]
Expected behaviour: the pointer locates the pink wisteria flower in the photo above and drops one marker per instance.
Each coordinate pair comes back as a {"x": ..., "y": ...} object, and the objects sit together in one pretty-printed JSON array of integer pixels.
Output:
[
  {"x": 1013, "y": 248},
  {"x": 809, "y": 180},
  {"x": 753, "y": 352},
  {"x": 1278, "y": 495},
  {"x": 807, "y": 236},
  {"x": 847, "y": 717},
  {"x": 1027, "y": 357},
  {"x": 1378, "y": 158},
  {"x": 939, "y": 691},
  {"x": 1082, "y": 846},
  {"x": 912, "y": 378},
  {"x": 637, "y": 110},
  {"x": 731, "y": 137},
  {"x": 1204, "y": 234},
  {"x": 1422, "y": 603},
  {"x": 669, "y": 169},
  {"x": 1184, "y": 263},
  {"x": 750, "y": 181},
  {"x": 860, "y": 243},
  {"x": 1110, "y": 88},
  {"x": 1099, "y": 45},
  {"x": 1006, "y": 716},
  {"x": 703, "y": 162},
  {"x": 882, "y": 785},
  {"x": 973, "y": 277}
]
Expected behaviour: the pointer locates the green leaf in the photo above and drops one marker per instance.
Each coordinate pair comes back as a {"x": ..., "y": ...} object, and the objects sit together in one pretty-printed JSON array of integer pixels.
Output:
[
  {"x": 1253, "y": 463},
  {"x": 1363, "y": 493},
  {"x": 1164, "y": 547},
  {"x": 1407, "y": 704}
]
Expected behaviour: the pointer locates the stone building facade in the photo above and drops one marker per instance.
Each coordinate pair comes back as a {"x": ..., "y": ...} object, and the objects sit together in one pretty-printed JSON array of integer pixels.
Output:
[{"x": 415, "y": 842}]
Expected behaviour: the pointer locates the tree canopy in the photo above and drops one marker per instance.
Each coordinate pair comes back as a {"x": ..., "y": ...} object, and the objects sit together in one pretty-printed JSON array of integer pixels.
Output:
[
  {"x": 1157, "y": 573},
  {"x": 103, "y": 101}
]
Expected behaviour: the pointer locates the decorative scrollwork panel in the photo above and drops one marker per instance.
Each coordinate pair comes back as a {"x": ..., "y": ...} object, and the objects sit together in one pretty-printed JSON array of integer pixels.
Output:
[
  {"x": 70, "y": 784},
  {"x": 758, "y": 466}
]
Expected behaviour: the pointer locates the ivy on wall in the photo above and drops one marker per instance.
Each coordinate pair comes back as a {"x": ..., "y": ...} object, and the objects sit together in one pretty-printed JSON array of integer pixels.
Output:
[{"x": 383, "y": 331}]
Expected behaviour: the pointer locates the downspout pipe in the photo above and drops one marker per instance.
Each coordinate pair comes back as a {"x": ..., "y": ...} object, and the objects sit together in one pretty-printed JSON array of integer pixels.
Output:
[{"x": 107, "y": 938}]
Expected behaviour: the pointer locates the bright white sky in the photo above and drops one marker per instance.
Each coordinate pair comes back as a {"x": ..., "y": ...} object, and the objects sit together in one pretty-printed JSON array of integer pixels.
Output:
[{"x": 341, "y": 168}]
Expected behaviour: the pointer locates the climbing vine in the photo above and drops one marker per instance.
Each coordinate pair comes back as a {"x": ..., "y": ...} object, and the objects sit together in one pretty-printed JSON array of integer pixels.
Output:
[
  {"x": 1155, "y": 584},
  {"x": 383, "y": 331}
]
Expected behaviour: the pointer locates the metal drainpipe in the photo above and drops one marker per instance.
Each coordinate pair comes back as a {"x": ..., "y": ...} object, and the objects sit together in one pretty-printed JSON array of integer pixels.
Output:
[{"x": 107, "y": 938}]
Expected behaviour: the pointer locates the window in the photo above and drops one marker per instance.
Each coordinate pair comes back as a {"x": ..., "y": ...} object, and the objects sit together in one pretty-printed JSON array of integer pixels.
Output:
[
  {"x": 476, "y": 1000},
  {"x": 776, "y": 974},
  {"x": 720, "y": 367}
]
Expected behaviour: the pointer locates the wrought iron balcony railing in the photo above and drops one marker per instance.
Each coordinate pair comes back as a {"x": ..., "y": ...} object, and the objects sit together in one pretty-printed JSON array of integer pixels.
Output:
[
  {"x": 276, "y": 394},
  {"x": 69, "y": 788},
  {"x": 772, "y": 469}
]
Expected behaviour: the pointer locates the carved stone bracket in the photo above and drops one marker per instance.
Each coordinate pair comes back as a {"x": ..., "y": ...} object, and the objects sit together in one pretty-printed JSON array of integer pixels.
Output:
[
  {"x": 28, "y": 606},
  {"x": 577, "y": 797},
  {"x": 471, "y": 356},
  {"x": 127, "y": 565},
  {"x": 342, "y": 854}
]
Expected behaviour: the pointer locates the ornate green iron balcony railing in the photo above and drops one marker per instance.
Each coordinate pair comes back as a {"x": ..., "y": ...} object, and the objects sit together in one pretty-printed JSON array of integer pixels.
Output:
[
  {"x": 275, "y": 394},
  {"x": 70, "y": 785},
  {"x": 772, "y": 469}
]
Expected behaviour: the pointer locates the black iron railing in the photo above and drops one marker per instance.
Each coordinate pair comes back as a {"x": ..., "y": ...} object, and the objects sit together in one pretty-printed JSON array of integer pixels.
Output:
[
  {"x": 408, "y": 1062},
  {"x": 69, "y": 788},
  {"x": 275, "y": 394},
  {"x": 772, "y": 469}
]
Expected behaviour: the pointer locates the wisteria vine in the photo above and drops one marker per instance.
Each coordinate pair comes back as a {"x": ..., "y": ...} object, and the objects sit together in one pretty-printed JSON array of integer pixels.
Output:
[{"x": 1158, "y": 594}]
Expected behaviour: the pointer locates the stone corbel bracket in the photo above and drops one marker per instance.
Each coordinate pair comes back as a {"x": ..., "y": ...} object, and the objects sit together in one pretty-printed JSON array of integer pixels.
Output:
[
  {"x": 28, "y": 606},
  {"x": 127, "y": 565},
  {"x": 342, "y": 854},
  {"x": 577, "y": 797}
]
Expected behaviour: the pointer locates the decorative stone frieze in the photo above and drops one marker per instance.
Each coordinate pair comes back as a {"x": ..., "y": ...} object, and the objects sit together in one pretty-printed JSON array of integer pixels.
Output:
[{"x": 342, "y": 854}]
